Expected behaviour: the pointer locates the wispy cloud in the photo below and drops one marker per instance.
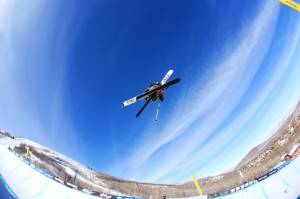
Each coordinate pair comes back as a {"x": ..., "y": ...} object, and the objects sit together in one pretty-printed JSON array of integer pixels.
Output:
[
  {"x": 210, "y": 105},
  {"x": 225, "y": 139},
  {"x": 32, "y": 64}
]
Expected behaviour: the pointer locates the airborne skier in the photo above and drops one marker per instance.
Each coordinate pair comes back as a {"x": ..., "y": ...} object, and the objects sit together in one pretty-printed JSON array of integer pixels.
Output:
[{"x": 155, "y": 92}]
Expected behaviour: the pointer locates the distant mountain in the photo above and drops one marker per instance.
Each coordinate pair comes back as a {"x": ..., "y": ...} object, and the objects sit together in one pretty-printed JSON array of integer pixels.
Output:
[{"x": 285, "y": 126}]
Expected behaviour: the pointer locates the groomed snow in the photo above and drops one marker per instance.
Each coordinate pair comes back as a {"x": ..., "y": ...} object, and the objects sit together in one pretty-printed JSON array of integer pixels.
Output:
[{"x": 28, "y": 183}]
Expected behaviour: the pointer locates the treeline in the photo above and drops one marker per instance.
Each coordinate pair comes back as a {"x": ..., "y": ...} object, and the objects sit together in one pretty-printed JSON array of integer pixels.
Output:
[{"x": 5, "y": 133}]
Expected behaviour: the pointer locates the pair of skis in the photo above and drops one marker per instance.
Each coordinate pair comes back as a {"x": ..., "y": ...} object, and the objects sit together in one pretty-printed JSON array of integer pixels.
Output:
[
  {"x": 142, "y": 96},
  {"x": 163, "y": 85}
]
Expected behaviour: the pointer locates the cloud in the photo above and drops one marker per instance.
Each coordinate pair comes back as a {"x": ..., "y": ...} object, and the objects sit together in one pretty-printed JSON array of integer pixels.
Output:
[
  {"x": 229, "y": 136},
  {"x": 32, "y": 64},
  {"x": 210, "y": 105}
]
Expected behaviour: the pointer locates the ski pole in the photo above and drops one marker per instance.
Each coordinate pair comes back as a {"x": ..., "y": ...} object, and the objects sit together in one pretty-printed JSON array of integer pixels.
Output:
[{"x": 157, "y": 111}]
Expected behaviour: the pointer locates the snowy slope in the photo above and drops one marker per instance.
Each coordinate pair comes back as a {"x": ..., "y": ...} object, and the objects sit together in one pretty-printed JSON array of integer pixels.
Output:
[{"x": 28, "y": 183}]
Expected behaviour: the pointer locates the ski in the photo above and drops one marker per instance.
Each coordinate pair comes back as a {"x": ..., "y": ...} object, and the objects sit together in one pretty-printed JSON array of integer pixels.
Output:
[
  {"x": 155, "y": 92},
  {"x": 141, "y": 96},
  {"x": 143, "y": 108},
  {"x": 166, "y": 77}
]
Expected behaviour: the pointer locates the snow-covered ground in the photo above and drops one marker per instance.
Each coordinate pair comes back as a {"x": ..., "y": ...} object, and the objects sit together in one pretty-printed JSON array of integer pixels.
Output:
[
  {"x": 8, "y": 142},
  {"x": 282, "y": 185},
  {"x": 28, "y": 183},
  {"x": 89, "y": 178}
]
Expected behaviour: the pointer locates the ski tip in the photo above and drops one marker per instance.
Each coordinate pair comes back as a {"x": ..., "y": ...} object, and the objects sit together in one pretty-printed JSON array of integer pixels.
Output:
[{"x": 177, "y": 79}]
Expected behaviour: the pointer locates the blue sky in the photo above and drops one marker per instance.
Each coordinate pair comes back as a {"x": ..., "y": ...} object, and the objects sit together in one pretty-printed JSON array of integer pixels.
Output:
[{"x": 66, "y": 67}]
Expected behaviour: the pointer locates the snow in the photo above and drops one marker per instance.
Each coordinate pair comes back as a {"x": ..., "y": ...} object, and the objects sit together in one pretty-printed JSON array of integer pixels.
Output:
[
  {"x": 197, "y": 197},
  {"x": 27, "y": 182},
  {"x": 295, "y": 146},
  {"x": 241, "y": 174},
  {"x": 69, "y": 171},
  {"x": 283, "y": 184},
  {"x": 217, "y": 177},
  {"x": 281, "y": 142},
  {"x": 8, "y": 142}
]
